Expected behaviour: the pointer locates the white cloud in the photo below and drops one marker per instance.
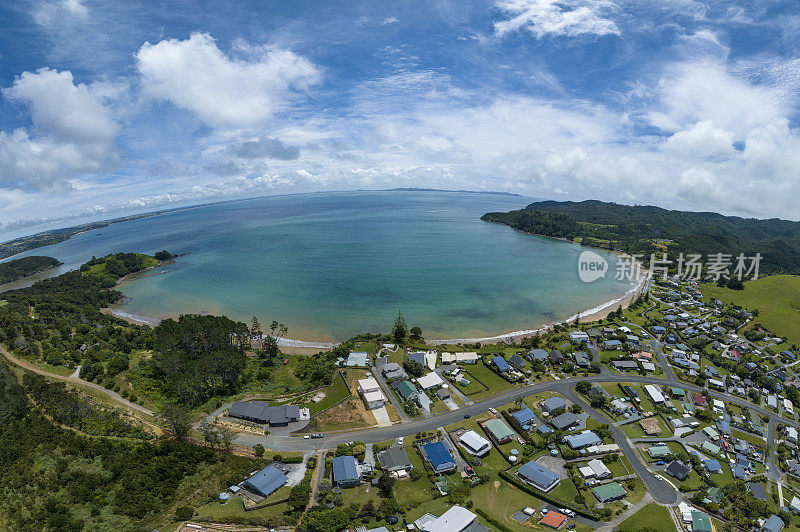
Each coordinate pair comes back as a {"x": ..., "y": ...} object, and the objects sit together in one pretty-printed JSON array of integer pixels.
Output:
[
  {"x": 390, "y": 20},
  {"x": 48, "y": 13},
  {"x": 73, "y": 131},
  {"x": 552, "y": 17},
  {"x": 224, "y": 92}
]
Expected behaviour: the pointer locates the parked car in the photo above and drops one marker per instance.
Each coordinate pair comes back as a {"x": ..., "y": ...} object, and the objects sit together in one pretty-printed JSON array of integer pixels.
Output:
[
  {"x": 317, "y": 435},
  {"x": 400, "y": 440}
]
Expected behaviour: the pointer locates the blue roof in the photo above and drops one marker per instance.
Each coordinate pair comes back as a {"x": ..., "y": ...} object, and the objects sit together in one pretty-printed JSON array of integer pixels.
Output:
[
  {"x": 501, "y": 363},
  {"x": 543, "y": 429},
  {"x": 344, "y": 469},
  {"x": 584, "y": 439},
  {"x": 526, "y": 417},
  {"x": 739, "y": 472},
  {"x": 712, "y": 465},
  {"x": 266, "y": 481},
  {"x": 438, "y": 456},
  {"x": 538, "y": 474}
]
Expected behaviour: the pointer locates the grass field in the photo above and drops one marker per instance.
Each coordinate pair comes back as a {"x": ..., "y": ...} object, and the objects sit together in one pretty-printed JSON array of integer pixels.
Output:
[
  {"x": 777, "y": 299},
  {"x": 651, "y": 517}
]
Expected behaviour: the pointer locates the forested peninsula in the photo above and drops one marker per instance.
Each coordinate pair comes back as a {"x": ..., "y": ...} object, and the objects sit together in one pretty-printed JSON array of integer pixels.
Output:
[
  {"x": 14, "y": 270},
  {"x": 644, "y": 230}
]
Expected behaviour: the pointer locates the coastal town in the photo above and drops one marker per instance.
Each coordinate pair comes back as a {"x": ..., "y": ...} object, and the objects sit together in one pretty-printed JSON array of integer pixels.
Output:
[{"x": 675, "y": 413}]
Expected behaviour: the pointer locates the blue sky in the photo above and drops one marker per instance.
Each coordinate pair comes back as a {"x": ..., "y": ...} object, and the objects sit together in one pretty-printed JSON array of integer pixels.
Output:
[{"x": 112, "y": 107}]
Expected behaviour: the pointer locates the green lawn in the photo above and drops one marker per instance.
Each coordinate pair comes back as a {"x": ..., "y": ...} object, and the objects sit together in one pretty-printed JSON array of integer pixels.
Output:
[
  {"x": 651, "y": 517},
  {"x": 777, "y": 299}
]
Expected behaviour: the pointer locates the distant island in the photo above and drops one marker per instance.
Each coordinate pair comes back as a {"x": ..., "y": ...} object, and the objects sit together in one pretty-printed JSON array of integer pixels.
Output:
[
  {"x": 14, "y": 270},
  {"x": 54, "y": 236},
  {"x": 643, "y": 229}
]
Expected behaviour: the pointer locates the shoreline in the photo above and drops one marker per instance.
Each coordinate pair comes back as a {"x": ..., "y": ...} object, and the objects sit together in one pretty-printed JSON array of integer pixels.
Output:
[{"x": 593, "y": 314}]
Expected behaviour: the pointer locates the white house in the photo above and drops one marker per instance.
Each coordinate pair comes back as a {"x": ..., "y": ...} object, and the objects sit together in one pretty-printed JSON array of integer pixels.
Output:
[
  {"x": 475, "y": 443},
  {"x": 655, "y": 394},
  {"x": 431, "y": 380},
  {"x": 791, "y": 435},
  {"x": 578, "y": 336},
  {"x": 467, "y": 358},
  {"x": 371, "y": 392},
  {"x": 788, "y": 406}
]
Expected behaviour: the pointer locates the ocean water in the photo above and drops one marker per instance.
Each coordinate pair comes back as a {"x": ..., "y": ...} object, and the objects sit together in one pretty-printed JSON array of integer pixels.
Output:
[{"x": 335, "y": 264}]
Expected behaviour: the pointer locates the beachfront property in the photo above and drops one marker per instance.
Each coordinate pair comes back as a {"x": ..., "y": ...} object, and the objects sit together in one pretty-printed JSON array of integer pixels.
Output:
[
  {"x": 539, "y": 476},
  {"x": 393, "y": 371},
  {"x": 468, "y": 357},
  {"x": 371, "y": 393},
  {"x": 579, "y": 336},
  {"x": 424, "y": 358},
  {"x": 475, "y": 444},
  {"x": 357, "y": 359}
]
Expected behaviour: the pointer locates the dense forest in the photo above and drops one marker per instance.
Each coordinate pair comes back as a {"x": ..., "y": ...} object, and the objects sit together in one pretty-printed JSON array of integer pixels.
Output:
[
  {"x": 46, "y": 238},
  {"x": 19, "y": 268},
  {"x": 645, "y": 230},
  {"x": 61, "y": 480}
]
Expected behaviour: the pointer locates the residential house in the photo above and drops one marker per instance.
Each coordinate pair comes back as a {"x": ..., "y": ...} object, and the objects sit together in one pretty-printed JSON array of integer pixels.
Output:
[
  {"x": 584, "y": 439},
  {"x": 438, "y": 456},
  {"x": 499, "y": 431},
  {"x": 564, "y": 421},
  {"x": 474, "y": 443},
  {"x": 395, "y": 459},
  {"x": 345, "y": 471},
  {"x": 266, "y": 482},
  {"x": 609, "y": 492},
  {"x": 553, "y": 405},
  {"x": 539, "y": 476}
]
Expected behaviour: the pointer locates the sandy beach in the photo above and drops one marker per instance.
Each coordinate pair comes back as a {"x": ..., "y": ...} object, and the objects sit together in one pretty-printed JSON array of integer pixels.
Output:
[{"x": 310, "y": 347}]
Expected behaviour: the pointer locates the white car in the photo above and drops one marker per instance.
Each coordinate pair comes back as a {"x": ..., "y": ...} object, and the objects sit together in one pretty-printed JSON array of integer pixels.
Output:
[
  {"x": 306, "y": 437},
  {"x": 567, "y": 512},
  {"x": 493, "y": 411},
  {"x": 400, "y": 440}
]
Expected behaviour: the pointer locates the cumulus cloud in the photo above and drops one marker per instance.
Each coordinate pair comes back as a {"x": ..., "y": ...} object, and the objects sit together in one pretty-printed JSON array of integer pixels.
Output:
[
  {"x": 556, "y": 18},
  {"x": 74, "y": 129},
  {"x": 223, "y": 91}
]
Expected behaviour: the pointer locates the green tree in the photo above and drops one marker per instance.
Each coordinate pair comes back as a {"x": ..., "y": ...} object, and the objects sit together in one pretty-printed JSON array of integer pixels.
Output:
[
  {"x": 399, "y": 331},
  {"x": 176, "y": 418},
  {"x": 416, "y": 333}
]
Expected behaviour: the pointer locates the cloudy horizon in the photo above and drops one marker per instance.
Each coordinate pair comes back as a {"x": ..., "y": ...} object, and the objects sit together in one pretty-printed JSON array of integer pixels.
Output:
[{"x": 114, "y": 108}]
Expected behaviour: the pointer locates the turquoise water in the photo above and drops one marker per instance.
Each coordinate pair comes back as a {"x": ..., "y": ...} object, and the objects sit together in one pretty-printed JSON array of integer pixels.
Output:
[{"x": 335, "y": 264}]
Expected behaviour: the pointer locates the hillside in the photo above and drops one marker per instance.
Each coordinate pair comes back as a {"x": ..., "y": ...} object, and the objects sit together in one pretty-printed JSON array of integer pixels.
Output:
[
  {"x": 777, "y": 299},
  {"x": 644, "y": 230},
  {"x": 17, "y": 269}
]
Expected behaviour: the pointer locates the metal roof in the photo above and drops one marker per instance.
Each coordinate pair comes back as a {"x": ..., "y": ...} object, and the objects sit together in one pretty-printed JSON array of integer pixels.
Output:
[
  {"x": 526, "y": 416},
  {"x": 395, "y": 458},
  {"x": 438, "y": 456},
  {"x": 345, "y": 468},
  {"x": 501, "y": 363},
  {"x": 266, "y": 481},
  {"x": 609, "y": 491},
  {"x": 538, "y": 475},
  {"x": 584, "y": 439}
]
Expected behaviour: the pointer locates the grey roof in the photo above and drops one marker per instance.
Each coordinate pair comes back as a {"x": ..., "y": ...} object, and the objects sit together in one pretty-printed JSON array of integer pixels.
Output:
[
  {"x": 393, "y": 370},
  {"x": 773, "y": 524},
  {"x": 538, "y": 475},
  {"x": 394, "y": 458},
  {"x": 537, "y": 354},
  {"x": 625, "y": 364},
  {"x": 584, "y": 439},
  {"x": 678, "y": 469},
  {"x": 552, "y": 404},
  {"x": 263, "y": 413},
  {"x": 345, "y": 469},
  {"x": 266, "y": 481},
  {"x": 564, "y": 421},
  {"x": 417, "y": 356}
]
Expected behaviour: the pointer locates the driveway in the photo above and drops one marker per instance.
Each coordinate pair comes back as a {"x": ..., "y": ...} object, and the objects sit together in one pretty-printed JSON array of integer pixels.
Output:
[{"x": 381, "y": 416}]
